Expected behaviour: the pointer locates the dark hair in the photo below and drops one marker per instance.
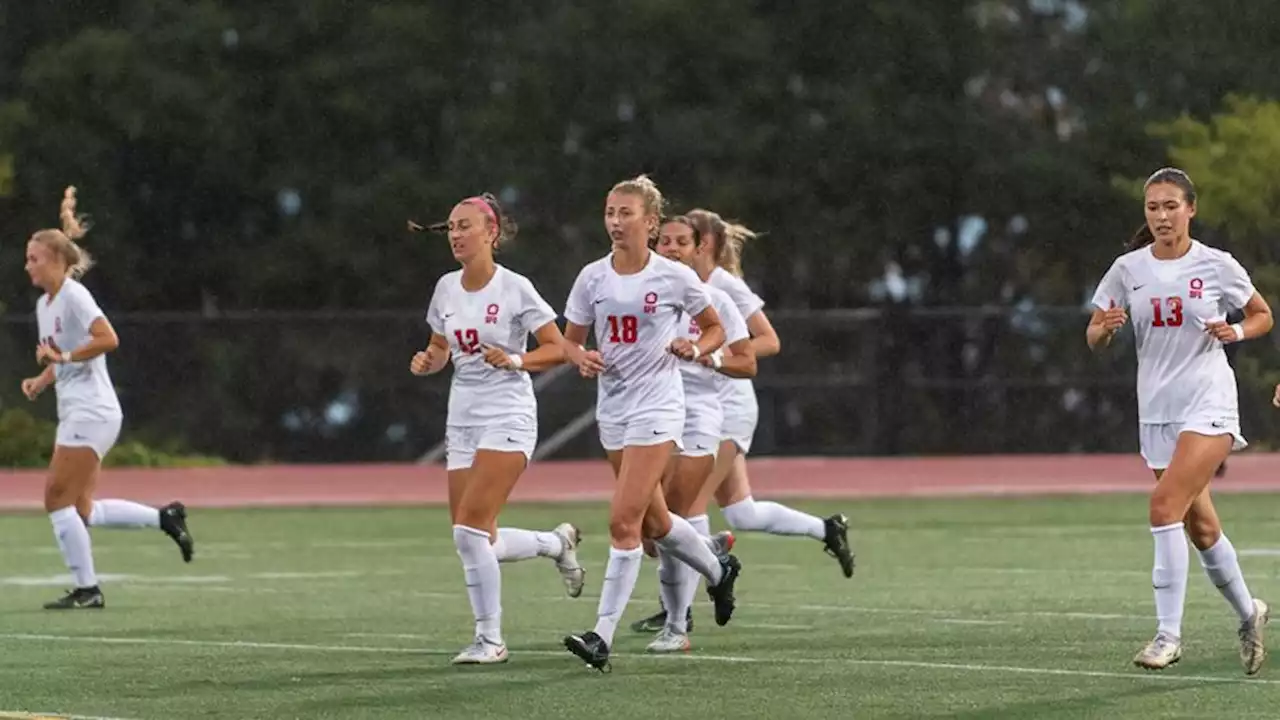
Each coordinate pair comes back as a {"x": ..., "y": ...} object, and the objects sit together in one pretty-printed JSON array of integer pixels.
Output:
[
  {"x": 1171, "y": 176},
  {"x": 680, "y": 220},
  {"x": 507, "y": 227}
]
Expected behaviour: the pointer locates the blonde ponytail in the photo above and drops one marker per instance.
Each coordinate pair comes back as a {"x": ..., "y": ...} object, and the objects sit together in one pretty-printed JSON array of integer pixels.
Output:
[{"x": 63, "y": 242}]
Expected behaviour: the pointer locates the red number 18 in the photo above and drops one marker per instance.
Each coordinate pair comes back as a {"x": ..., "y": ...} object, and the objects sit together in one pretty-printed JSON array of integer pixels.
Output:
[
  {"x": 622, "y": 330},
  {"x": 1175, "y": 312}
]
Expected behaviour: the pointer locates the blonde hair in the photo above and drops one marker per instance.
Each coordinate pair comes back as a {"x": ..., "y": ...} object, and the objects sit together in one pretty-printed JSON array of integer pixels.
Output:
[
  {"x": 650, "y": 196},
  {"x": 62, "y": 242},
  {"x": 729, "y": 237}
]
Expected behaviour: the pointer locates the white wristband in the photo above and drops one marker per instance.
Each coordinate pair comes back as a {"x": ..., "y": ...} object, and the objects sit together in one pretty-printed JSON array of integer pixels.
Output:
[
  {"x": 66, "y": 356},
  {"x": 717, "y": 359},
  {"x": 696, "y": 353},
  {"x": 517, "y": 362},
  {"x": 1239, "y": 331}
]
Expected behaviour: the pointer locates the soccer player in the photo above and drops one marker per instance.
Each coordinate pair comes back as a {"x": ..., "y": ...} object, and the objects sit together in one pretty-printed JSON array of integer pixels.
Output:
[
  {"x": 481, "y": 317},
  {"x": 636, "y": 299},
  {"x": 75, "y": 337},
  {"x": 1177, "y": 292}
]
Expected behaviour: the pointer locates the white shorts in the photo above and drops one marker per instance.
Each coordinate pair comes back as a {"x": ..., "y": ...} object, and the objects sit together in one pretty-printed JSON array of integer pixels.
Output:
[
  {"x": 703, "y": 426},
  {"x": 101, "y": 435},
  {"x": 651, "y": 430},
  {"x": 462, "y": 442},
  {"x": 1158, "y": 440},
  {"x": 741, "y": 413}
]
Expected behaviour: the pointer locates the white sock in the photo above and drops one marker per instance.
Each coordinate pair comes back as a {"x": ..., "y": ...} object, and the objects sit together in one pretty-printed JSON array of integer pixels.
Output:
[
  {"x": 702, "y": 524},
  {"x": 1223, "y": 568},
  {"x": 1169, "y": 576},
  {"x": 484, "y": 580},
  {"x": 515, "y": 544},
  {"x": 73, "y": 541},
  {"x": 686, "y": 544},
  {"x": 620, "y": 577},
  {"x": 123, "y": 513},
  {"x": 772, "y": 518},
  {"x": 671, "y": 587}
]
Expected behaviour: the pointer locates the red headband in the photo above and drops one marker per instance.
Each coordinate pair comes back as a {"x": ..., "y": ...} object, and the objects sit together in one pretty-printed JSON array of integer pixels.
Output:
[{"x": 483, "y": 205}]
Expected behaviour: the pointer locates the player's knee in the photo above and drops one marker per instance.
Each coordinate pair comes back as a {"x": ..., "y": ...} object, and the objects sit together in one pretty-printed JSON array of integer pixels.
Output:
[
  {"x": 1167, "y": 508},
  {"x": 625, "y": 531}
]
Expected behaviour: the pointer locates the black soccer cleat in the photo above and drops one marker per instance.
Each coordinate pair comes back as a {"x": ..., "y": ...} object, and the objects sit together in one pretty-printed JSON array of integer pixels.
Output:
[
  {"x": 591, "y": 649},
  {"x": 89, "y": 598},
  {"x": 655, "y": 622},
  {"x": 173, "y": 521},
  {"x": 837, "y": 542},
  {"x": 722, "y": 592}
]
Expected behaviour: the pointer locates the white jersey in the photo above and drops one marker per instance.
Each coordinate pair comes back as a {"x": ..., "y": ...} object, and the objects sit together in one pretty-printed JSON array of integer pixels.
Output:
[
  {"x": 703, "y": 384},
  {"x": 1182, "y": 370},
  {"x": 737, "y": 390},
  {"x": 503, "y": 314},
  {"x": 636, "y": 317},
  {"x": 84, "y": 389}
]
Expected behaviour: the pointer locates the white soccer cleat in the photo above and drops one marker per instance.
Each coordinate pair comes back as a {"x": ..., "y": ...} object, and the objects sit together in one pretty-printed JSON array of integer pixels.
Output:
[
  {"x": 669, "y": 641},
  {"x": 1160, "y": 653},
  {"x": 481, "y": 652},
  {"x": 1252, "y": 650},
  {"x": 571, "y": 571}
]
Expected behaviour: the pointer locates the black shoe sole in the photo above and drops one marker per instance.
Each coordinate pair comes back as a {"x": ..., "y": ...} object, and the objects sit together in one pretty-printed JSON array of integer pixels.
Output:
[
  {"x": 722, "y": 594},
  {"x": 838, "y": 546},
  {"x": 579, "y": 648}
]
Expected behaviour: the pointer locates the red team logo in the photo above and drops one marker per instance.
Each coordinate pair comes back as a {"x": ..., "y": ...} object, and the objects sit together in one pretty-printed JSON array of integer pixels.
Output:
[
  {"x": 1197, "y": 288},
  {"x": 491, "y": 314},
  {"x": 650, "y": 303}
]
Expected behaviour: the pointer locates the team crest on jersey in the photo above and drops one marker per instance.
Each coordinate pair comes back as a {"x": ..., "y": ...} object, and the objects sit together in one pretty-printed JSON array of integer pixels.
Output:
[
  {"x": 650, "y": 303},
  {"x": 57, "y": 324},
  {"x": 1197, "y": 288},
  {"x": 491, "y": 314}
]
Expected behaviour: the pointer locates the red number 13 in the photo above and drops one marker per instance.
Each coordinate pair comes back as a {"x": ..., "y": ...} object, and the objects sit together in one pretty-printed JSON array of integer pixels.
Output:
[
  {"x": 470, "y": 343},
  {"x": 1175, "y": 312},
  {"x": 622, "y": 330}
]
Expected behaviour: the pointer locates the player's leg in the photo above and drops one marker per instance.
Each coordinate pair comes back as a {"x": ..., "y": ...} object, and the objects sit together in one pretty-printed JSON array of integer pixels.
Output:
[
  {"x": 514, "y": 544},
  {"x": 492, "y": 476},
  {"x": 74, "y": 463},
  {"x": 116, "y": 513},
  {"x": 1187, "y": 469},
  {"x": 678, "y": 581},
  {"x": 744, "y": 513},
  {"x": 1222, "y": 567}
]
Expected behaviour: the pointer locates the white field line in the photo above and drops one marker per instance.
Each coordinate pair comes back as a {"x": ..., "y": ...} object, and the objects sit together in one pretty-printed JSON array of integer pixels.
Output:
[{"x": 694, "y": 657}]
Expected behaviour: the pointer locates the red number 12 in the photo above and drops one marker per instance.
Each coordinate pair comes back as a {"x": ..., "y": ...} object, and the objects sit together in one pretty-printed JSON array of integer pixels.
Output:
[{"x": 469, "y": 345}]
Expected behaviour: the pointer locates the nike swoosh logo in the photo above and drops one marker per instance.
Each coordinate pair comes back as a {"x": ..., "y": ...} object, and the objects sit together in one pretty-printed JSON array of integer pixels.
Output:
[
  {"x": 1139, "y": 287},
  {"x": 448, "y": 315},
  {"x": 600, "y": 301},
  {"x": 657, "y": 432}
]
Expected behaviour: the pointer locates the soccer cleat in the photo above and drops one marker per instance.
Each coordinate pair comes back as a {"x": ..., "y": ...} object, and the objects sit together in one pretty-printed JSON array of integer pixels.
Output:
[
  {"x": 481, "y": 652},
  {"x": 657, "y": 621},
  {"x": 571, "y": 571},
  {"x": 722, "y": 542},
  {"x": 591, "y": 649},
  {"x": 669, "y": 641},
  {"x": 89, "y": 598},
  {"x": 837, "y": 542},
  {"x": 722, "y": 592},
  {"x": 1252, "y": 649},
  {"x": 173, "y": 521},
  {"x": 1160, "y": 653}
]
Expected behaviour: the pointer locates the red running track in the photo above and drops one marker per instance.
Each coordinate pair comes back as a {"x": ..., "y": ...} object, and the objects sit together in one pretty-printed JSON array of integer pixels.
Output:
[{"x": 337, "y": 485}]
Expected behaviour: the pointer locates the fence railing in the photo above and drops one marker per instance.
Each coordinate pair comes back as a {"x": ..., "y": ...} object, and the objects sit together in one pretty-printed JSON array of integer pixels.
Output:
[{"x": 335, "y": 386}]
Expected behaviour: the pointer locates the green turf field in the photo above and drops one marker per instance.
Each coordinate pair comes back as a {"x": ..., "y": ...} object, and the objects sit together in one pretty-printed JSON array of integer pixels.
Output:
[{"x": 960, "y": 609}]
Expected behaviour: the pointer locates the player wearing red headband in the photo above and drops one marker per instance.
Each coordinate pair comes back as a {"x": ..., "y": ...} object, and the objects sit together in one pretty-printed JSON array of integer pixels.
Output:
[{"x": 481, "y": 317}]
